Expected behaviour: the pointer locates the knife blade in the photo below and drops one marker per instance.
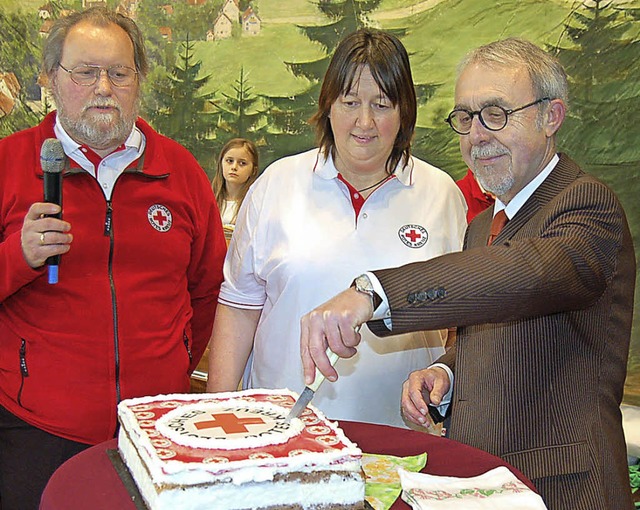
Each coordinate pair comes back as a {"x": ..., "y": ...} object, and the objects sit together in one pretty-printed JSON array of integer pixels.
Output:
[{"x": 310, "y": 390}]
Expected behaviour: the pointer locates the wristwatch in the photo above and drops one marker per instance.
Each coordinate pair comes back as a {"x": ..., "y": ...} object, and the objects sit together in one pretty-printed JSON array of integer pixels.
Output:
[{"x": 363, "y": 284}]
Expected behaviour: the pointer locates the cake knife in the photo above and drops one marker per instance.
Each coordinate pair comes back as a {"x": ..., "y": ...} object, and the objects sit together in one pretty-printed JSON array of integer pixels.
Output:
[{"x": 310, "y": 390}]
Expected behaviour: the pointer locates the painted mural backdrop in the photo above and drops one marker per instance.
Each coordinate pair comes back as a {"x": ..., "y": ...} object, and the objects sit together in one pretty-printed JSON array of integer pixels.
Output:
[{"x": 225, "y": 68}]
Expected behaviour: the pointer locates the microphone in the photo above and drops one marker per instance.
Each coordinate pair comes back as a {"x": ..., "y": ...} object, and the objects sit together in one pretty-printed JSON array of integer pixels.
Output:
[{"x": 52, "y": 160}]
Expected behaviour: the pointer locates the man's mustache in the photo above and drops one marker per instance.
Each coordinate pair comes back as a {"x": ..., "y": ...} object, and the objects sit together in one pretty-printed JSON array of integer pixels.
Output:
[
  {"x": 488, "y": 151},
  {"x": 102, "y": 103}
]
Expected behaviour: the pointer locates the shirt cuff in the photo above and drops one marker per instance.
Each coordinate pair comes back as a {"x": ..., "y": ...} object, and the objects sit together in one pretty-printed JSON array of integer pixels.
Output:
[
  {"x": 383, "y": 311},
  {"x": 446, "y": 398}
]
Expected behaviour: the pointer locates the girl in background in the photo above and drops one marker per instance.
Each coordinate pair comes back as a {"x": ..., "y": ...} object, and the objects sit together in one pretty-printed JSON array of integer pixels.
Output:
[{"x": 238, "y": 168}]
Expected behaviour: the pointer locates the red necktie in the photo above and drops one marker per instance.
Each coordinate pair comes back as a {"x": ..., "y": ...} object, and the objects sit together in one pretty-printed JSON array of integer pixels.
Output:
[{"x": 499, "y": 221}]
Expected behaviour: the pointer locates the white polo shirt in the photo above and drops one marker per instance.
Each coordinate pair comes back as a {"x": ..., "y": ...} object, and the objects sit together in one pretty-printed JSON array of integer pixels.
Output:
[{"x": 298, "y": 242}]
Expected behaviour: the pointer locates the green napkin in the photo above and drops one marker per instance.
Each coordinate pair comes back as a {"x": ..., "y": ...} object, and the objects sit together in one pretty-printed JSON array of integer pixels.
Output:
[
  {"x": 634, "y": 478},
  {"x": 382, "y": 482}
]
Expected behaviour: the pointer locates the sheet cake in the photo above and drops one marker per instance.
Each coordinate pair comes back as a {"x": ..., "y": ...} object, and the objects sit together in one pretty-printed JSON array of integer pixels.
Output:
[{"x": 235, "y": 451}]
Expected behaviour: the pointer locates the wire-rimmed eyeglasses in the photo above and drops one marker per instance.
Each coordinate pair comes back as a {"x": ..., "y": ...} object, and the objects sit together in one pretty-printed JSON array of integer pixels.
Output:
[
  {"x": 493, "y": 117},
  {"x": 87, "y": 75}
]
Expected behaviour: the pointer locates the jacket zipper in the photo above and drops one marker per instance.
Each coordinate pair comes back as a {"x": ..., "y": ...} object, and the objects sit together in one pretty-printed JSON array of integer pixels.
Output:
[
  {"x": 108, "y": 231},
  {"x": 185, "y": 339},
  {"x": 24, "y": 370}
]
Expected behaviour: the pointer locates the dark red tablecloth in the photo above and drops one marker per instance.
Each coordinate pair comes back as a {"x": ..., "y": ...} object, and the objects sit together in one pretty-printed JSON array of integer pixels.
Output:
[{"x": 89, "y": 480}]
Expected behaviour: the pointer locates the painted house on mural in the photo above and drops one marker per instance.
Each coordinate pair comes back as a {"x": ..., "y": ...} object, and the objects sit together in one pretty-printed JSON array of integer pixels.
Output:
[
  {"x": 45, "y": 11},
  {"x": 166, "y": 33},
  {"x": 231, "y": 9},
  {"x": 47, "y": 103},
  {"x": 168, "y": 9},
  {"x": 9, "y": 90},
  {"x": 45, "y": 28},
  {"x": 251, "y": 22},
  {"x": 87, "y": 4},
  {"x": 128, "y": 8},
  {"x": 222, "y": 27}
]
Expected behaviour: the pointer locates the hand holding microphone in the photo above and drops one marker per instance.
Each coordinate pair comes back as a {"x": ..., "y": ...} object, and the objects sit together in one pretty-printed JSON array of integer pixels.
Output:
[
  {"x": 52, "y": 160},
  {"x": 44, "y": 236}
]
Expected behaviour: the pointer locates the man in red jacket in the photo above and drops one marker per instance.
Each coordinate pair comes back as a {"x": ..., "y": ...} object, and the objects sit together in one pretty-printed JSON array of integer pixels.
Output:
[
  {"x": 477, "y": 199},
  {"x": 141, "y": 245}
]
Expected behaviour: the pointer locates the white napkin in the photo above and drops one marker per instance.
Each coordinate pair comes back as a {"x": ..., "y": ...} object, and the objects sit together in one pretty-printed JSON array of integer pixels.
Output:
[{"x": 498, "y": 489}]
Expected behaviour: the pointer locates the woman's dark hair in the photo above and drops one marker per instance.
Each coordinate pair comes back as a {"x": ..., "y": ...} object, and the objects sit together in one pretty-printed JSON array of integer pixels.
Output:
[{"x": 388, "y": 62}]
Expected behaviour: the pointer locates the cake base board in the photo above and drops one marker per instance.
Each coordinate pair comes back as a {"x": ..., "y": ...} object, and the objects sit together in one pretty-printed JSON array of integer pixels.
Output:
[{"x": 126, "y": 478}]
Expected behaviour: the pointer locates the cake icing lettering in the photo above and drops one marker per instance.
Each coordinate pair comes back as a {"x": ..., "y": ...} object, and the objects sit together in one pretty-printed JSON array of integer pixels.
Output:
[
  {"x": 258, "y": 410},
  {"x": 232, "y": 424},
  {"x": 178, "y": 423}
]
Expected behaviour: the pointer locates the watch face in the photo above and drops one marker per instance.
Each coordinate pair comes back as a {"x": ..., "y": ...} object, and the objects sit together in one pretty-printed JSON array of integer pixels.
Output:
[{"x": 363, "y": 284}]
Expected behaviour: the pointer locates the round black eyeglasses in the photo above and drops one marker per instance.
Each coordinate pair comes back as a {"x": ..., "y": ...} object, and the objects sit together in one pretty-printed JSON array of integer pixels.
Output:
[{"x": 493, "y": 117}]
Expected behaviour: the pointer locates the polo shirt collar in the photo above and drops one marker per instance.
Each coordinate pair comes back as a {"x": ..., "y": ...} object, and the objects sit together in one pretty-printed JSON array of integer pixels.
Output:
[
  {"x": 73, "y": 149},
  {"x": 326, "y": 169}
]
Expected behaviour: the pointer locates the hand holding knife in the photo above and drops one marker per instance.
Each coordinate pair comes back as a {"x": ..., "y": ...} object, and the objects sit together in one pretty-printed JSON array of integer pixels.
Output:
[{"x": 310, "y": 390}]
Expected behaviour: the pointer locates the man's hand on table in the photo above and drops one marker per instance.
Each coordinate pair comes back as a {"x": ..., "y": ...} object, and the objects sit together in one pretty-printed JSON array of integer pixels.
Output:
[
  {"x": 334, "y": 324},
  {"x": 426, "y": 386}
]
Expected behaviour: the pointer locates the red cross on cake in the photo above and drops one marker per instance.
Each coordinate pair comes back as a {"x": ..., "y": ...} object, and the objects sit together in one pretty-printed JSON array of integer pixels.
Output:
[{"x": 228, "y": 424}]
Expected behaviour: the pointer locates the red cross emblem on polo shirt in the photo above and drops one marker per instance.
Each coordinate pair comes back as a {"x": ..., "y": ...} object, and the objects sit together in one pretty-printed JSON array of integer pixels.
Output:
[
  {"x": 413, "y": 236},
  {"x": 229, "y": 422}
]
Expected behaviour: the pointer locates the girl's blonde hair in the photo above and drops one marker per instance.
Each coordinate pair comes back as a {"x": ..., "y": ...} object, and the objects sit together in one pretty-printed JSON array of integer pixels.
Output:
[{"x": 219, "y": 185}]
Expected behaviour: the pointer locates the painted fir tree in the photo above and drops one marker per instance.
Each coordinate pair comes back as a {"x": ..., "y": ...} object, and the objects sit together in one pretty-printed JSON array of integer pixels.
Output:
[
  {"x": 289, "y": 115},
  {"x": 239, "y": 114},
  {"x": 179, "y": 106},
  {"x": 600, "y": 50}
]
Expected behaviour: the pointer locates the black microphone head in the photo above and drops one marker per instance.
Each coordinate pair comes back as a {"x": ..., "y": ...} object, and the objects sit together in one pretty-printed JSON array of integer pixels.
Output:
[{"x": 52, "y": 156}]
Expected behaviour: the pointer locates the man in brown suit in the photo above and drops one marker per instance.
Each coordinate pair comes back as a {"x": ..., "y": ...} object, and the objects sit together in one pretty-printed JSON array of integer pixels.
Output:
[{"x": 543, "y": 313}]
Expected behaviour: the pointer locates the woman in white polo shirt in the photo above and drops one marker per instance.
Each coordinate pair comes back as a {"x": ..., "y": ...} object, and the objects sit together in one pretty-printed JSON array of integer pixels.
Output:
[{"x": 314, "y": 221}]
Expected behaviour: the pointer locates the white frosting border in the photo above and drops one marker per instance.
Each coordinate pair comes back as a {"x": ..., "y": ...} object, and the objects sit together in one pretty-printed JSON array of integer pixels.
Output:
[{"x": 178, "y": 472}]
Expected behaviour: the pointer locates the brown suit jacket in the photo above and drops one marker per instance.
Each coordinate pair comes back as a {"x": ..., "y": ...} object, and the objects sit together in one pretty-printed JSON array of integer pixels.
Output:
[{"x": 544, "y": 319}]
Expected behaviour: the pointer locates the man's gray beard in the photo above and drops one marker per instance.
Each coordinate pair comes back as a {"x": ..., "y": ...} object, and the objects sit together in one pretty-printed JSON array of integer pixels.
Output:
[
  {"x": 93, "y": 131},
  {"x": 491, "y": 180}
]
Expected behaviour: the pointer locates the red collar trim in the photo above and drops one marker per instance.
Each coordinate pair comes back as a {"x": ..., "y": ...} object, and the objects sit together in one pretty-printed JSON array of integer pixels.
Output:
[{"x": 357, "y": 200}]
